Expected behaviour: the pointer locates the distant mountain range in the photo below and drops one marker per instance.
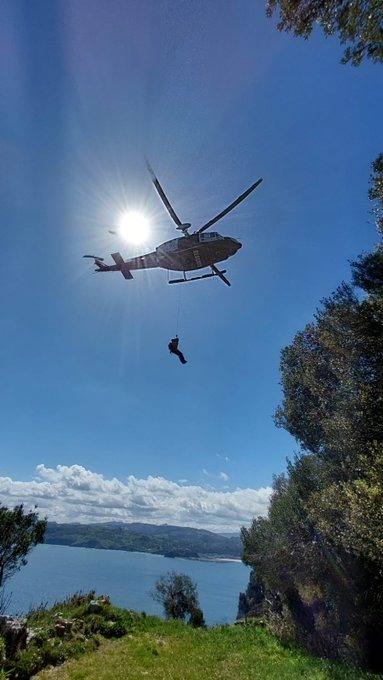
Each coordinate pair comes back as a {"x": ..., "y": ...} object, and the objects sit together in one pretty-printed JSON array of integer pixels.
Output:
[{"x": 163, "y": 539}]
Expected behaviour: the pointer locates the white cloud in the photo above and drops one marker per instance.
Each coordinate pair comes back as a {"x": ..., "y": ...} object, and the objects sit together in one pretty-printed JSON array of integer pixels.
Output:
[
  {"x": 74, "y": 494},
  {"x": 224, "y": 476},
  {"x": 205, "y": 472}
]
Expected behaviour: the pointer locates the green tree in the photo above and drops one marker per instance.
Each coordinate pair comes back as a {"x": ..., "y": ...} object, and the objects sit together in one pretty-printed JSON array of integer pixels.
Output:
[
  {"x": 320, "y": 548},
  {"x": 376, "y": 191},
  {"x": 332, "y": 373},
  {"x": 358, "y": 23},
  {"x": 19, "y": 532},
  {"x": 177, "y": 593}
]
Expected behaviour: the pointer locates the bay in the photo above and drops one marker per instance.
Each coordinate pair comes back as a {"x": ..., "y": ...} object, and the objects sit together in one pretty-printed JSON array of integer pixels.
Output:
[{"x": 53, "y": 572}]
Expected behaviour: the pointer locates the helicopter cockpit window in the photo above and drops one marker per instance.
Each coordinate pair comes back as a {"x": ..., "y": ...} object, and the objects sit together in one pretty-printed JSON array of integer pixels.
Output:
[{"x": 210, "y": 235}]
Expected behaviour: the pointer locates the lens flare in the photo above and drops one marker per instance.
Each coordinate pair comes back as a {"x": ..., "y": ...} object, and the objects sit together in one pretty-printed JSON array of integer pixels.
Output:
[{"x": 134, "y": 226}]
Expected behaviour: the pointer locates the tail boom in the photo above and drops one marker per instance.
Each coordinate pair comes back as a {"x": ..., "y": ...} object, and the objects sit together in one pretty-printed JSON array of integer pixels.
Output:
[{"x": 148, "y": 261}]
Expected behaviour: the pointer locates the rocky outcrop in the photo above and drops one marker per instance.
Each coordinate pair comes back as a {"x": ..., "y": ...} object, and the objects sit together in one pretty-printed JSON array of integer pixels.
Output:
[
  {"x": 307, "y": 621},
  {"x": 96, "y": 606},
  {"x": 14, "y": 633},
  {"x": 252, "y": 602}
]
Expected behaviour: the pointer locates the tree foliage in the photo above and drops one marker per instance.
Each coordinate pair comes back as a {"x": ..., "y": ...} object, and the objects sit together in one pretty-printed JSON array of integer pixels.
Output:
[
  {"x": 376, "y": 191},
  {"x": 332, "y": 373},
  {"x": 321, "y": 546},
  {"x": 177, "y": 593},
  {"x": 358, "y": 23},
  {"x": 19, "y": 532}
]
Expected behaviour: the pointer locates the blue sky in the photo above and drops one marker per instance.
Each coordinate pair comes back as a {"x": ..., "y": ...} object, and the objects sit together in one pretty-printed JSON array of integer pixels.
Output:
[{"x": 216, "y": 97}]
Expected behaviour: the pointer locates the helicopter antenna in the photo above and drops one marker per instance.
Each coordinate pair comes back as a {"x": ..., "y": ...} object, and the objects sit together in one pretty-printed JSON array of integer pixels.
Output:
[{"x": 182, "y": 227}]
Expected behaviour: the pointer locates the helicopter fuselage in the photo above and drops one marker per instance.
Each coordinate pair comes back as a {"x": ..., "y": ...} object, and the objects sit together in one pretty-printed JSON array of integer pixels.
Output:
[
  {"x": 196, "y": 251},
  {"x": 187, "y": 253}
]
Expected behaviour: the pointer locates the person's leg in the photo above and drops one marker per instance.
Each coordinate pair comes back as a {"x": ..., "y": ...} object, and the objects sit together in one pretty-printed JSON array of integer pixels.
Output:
[{"x": 182, "y": 358}]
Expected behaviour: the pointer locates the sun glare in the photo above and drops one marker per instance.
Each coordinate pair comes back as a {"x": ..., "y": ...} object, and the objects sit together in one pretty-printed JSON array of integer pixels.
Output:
[{"x": 134, "y": 226}]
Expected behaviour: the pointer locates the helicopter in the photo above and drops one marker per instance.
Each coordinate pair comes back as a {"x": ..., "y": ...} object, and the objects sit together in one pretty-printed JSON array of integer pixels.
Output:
[{"x": 190, "y": 252}]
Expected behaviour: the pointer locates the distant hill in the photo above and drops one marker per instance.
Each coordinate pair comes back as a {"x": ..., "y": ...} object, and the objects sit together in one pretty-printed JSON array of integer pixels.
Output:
[{"x": 163, "y": 539}]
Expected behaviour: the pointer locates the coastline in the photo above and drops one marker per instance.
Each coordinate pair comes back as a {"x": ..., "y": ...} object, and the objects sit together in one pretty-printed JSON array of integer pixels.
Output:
[
  {"x": 207, "y": 558},
  {"x": 199, "y": 558}
]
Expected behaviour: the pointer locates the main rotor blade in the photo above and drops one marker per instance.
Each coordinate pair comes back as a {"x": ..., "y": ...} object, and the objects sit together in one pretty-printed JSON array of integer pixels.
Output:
[
  {"x": 220, "y": 274},
  {"x": 230, "y": 207},
  {"x": 163, "y": 197}
]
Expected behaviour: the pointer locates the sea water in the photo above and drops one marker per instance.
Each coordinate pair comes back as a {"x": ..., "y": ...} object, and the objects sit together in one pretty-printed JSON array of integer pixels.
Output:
[{"x": 53, "y": 572}]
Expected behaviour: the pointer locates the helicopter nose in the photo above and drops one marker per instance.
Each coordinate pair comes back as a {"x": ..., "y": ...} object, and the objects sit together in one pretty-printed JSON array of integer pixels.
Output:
[{"x": 238, "y": 244}]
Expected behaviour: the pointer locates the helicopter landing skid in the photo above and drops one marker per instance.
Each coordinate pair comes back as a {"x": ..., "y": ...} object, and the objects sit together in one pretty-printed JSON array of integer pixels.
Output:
[{"x": 197, "y": 278}]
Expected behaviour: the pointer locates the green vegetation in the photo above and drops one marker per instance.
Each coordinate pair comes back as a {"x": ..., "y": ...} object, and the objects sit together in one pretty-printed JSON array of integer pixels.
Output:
[
  {"x": 79, "y": 631},
  {"x": 178, "y": 595},
  {"x": 319, "y": 554},
  {"x": 167, "y": 650},
  {"x": 162, "y": 539},
  {"x": 375, "y": 193},
  {"x": 19, "y": 532},
  {"x": 68, "y": 629},
  {"x": 359, "y": 24}
]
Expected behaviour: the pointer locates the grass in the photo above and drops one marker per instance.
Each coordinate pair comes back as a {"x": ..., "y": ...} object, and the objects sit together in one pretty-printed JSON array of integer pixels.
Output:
[
  {"x": 69, "y": 629},
  {"x": 169, "y": 650}
]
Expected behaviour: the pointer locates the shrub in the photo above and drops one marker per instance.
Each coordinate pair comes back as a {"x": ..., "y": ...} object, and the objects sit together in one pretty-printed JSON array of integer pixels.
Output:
[
  {"x": 78, "y": 599},
  {"x": 112, "y": 629},
  {"x": 178, "y": 595},
  {"x": 196, "y": 618},
  {"x": 2, "y": 652},
  {"x": 29, "y": 662}
]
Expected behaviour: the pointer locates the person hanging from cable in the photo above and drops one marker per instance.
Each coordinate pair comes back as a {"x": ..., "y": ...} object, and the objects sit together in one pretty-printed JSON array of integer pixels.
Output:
[{"x": 173, "y": 349}]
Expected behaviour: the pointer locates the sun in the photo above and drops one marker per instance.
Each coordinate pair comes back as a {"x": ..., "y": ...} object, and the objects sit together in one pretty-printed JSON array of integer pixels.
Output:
[{"x": 134, "y": 226}]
